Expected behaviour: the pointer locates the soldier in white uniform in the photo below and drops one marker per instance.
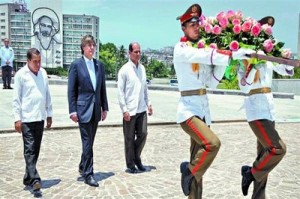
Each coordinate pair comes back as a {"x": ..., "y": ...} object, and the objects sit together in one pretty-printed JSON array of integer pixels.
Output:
[
  {"x": 197, "y": 69},
  {"x": 261, "y": 118}
]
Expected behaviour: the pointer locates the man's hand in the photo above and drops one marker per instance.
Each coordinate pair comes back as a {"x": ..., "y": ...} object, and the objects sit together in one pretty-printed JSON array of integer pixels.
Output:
[
  {"x": 103, "y": 115},
  {"x": 18, "y": 126},
  {"x": 74, "y": 117},
  {"x": 242, "y": 53},
  {"x": 49, "y": 122},
  {"x": 150, "y": 110},
  {"x": 126, "y": 116}
]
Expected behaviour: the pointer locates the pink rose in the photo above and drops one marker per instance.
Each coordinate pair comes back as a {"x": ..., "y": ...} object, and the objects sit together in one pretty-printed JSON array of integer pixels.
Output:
[
  {"x": 234, "y": 45},
  {"x": 202, "y": 20},
  {"x": 213, "y": 45},
  {"x": 216, "y": 30},
  {"x": 208, "y": 28},
  {"x": 236, "y": 21},
  {"x": 201, "y": 44},
  {"x": 220, "y": 16},
  {"x": 246, "y": 27},
  {"x": 255, "y": 30},
  {"x": 268, "y": 45},
  {"x": 267, "y": 29},
  {"x": 286, "y": 53},
  {"x": 237, "y": 29},
  {"x": 223, "y": 22},
  {"x": 230, "y": 14}
]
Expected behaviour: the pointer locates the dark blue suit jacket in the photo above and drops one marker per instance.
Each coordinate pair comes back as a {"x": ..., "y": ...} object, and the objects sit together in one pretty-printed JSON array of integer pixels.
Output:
[{"x": 82, "y": 97}]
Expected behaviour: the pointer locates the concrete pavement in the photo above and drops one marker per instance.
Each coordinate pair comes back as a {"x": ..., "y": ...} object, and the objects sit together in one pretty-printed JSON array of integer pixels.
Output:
[
  {"x": 223, "y": 107},
  {"x": 167, "y": 146}
]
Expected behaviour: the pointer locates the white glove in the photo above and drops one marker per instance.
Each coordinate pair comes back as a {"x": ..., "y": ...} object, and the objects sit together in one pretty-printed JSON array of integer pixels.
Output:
[
  {"x": 289, "y": 67},
  {"x": 241, "y": 53}
]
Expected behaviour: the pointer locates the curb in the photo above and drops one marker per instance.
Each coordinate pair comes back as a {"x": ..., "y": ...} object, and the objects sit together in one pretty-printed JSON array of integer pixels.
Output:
[
  {"x": 175, "y": 88},
  {"x": 5, "y": 131},
  {"x": 58, "y": 128}
]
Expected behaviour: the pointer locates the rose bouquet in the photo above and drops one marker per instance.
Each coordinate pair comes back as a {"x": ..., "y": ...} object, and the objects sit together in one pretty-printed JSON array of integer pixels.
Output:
[{"x": 231, "y": 31}]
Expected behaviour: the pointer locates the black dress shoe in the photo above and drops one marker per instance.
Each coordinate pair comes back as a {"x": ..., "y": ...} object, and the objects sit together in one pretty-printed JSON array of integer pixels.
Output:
[
  {"x": 141, "y": 167},
  {"x": 186, "y": 178},
  {"x": 247, "y": 179},
  {"x": 132, "y": 170},
  {"x": 10, "y": 87},
  {"x": 90, "y": 180},
  {"x": 36, "y": 185}
]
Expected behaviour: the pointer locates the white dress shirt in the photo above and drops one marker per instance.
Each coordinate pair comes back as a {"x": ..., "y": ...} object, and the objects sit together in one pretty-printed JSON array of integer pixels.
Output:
[
  {"x": 6, "y": 54},
  {"x": 91, "y": 69},
  {"x": 31, "y": 99},
  {"x": 132, "y": 88},
  {"x": 208, "y": 76},
  {"x": 261, "y": 106}
]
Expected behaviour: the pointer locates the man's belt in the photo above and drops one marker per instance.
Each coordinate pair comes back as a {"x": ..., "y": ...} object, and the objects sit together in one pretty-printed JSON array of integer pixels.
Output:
[
  {"x": 201, "y": 91},
  {"x": 260, "y": 90}
]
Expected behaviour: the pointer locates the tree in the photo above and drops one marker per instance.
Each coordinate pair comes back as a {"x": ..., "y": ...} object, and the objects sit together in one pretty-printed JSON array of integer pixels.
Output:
[
  {"x": 107, "y": 56},
  {"x": 157, "y": 69},
  {"x": 144, "y": 59}
]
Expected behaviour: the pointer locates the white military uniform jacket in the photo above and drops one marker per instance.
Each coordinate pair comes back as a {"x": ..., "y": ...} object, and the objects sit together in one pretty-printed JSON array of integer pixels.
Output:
[
  {"x": 261, "y": 106},
  {"x": 212, "y": 68}
]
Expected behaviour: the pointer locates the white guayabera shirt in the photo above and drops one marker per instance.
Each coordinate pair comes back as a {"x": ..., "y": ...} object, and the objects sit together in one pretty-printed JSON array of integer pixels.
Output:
[
  {"x": 133, "y": 89},
  {"x": 31, "y": 100}
]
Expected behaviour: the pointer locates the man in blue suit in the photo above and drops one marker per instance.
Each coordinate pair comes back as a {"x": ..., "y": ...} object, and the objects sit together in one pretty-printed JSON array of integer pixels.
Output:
[{"x": 87, "y": 102}]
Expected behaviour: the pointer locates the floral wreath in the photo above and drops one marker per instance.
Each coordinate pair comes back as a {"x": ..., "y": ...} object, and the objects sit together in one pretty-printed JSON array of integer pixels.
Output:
[{"x": 231, "y": 31}]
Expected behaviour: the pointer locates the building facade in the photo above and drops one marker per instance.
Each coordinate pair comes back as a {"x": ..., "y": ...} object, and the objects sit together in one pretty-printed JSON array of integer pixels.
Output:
[
  {"x": 298, "y": 53},
  {"x": 46, "y": 28},
  {"x": 74, "y": 28}
]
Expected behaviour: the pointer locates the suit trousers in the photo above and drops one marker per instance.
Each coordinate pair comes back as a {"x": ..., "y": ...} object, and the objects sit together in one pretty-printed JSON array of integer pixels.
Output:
[
  {"x": 203, "y": 150},
  {"x": 32, "y": 134},
  {"x": 6, "y": 76},
  {"x": 135, "y": 135},
  {"x": 270, "y": 149},
  {"x": 87, "y": 133}
]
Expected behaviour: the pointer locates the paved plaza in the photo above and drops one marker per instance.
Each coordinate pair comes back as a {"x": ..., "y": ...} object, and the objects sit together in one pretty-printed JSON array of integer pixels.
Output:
[{"x": 167, "y": 146}]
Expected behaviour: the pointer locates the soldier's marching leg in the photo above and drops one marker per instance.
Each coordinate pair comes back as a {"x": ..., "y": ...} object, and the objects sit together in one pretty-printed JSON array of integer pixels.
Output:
[
  {"x": 204, "y": 146},
  {"x": 272, "y": 153},
  {"x": 196, "y": 190},
  {"x": 259, "y": 191}
]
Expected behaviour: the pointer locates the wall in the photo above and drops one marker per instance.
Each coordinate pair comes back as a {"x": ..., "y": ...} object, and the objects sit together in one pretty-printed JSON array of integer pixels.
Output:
[{"x": 286, "y": 86}]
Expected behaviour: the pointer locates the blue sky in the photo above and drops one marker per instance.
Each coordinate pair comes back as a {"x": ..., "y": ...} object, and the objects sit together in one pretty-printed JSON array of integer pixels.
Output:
[{"x": 153, "y": 22}]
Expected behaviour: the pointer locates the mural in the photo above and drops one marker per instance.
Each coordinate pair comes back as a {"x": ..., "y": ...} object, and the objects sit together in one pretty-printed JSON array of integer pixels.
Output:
[{"x": 45, "y": 27}]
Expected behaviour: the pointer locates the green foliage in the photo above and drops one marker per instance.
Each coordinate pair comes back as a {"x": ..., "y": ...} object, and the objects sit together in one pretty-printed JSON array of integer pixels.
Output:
[
  {"x": 226, "y": 84},
  {"x": 156, "y": 69},
  {"x": 107, "y": 56},
  {"x": 114, "y": 58},
  {"x": 297, "y": 73},
  {"x": 57, "y": 71}
]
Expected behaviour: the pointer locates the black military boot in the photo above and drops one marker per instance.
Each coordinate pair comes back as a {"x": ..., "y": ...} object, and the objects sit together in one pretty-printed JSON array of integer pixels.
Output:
[
  {"x": 247, "y": 179},
  {"x": 186, "y": 178}
]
